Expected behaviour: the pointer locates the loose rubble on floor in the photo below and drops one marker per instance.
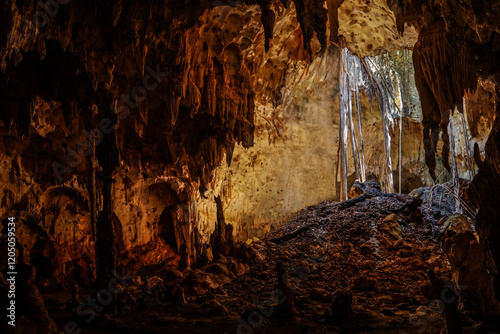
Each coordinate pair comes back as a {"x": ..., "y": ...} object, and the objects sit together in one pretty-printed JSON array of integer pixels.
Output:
[{"x": 363, "y": 265}]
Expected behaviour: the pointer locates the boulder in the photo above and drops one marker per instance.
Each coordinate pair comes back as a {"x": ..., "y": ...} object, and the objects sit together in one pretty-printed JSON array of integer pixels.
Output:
[
  {"x": 390, "y": 226},
  {"x": 469, "y": 272},
  {"x": 369, "y": 188}
]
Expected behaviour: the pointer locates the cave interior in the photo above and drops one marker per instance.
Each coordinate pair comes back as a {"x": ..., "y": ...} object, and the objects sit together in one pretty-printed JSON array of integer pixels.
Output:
[{"x": 250, "y": 166}]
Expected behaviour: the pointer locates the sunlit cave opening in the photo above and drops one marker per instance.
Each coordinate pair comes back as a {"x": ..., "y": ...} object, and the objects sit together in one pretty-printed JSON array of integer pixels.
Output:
[{"x": 281, "y": 166}]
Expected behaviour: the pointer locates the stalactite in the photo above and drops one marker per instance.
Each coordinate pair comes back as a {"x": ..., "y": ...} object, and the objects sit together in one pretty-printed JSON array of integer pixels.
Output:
[
  {"x": 444, "y": 69},
  {"x": 268, "y": 19},
  {"x": 333, "y": 8},
  {"x": 312, "y": 17}
]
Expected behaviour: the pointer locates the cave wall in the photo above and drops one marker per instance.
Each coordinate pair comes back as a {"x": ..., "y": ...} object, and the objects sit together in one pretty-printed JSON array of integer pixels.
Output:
[
  {"x": 259, "y": 197},
  {"x": 183, "y": 86},
  {"x": 173, "y": 85},
  {"x": 292, "y": 162},
  {"x": 459, "y": 43},
  {"x": 197, "y": 77}
]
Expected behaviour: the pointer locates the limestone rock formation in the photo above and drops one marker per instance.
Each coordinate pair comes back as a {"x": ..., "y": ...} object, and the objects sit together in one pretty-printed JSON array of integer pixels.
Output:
[
  {"x": 468, "y": 266},
  {"x": 121, "y": 120}
]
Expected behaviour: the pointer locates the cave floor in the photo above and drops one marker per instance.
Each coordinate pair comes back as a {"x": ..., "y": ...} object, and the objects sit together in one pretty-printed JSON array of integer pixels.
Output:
[{"x": 377, "y": 251}]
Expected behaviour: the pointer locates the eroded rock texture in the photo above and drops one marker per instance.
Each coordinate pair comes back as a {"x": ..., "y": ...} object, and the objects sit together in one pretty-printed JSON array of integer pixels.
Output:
[
  {"x": 458, "y": 43},
  {"x": 370, "y": 28},
  {"x": 169, "y": 92},
  {"x": 170, "y": 88},
  {"x": 468, "y": 267}
]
